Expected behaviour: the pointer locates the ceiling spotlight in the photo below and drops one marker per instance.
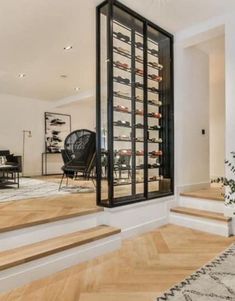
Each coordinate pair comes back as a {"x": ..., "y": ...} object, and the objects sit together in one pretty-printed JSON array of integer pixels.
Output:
[
  {"x": 63, "y": 76},
  {"x": 69, "y": 47},
  {"x": 77, "y": 89},
  {"x": 21, "y": 75}
]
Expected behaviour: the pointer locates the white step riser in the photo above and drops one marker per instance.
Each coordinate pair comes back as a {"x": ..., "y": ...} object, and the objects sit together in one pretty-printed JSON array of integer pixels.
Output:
[
  {"x": 201, "y": 224},
  {"x": 40, "y": 268},
  {"x": 201, "y": 204},
  {"x": 25, "y": 236}
]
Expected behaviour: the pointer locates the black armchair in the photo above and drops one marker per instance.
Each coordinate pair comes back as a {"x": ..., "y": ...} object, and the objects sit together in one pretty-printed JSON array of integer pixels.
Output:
[{"x": 78, "y": 155}]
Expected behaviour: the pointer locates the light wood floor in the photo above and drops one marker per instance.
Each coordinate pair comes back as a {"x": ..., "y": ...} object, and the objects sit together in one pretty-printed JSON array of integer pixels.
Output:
[
  {"x": 32, "y": 211},
  {"x": 212, "y": 193},
  {"x": 144, "y": 267}
]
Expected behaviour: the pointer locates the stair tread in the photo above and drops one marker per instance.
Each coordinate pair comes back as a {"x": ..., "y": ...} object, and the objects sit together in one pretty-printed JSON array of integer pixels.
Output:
[
  {"x": 41, "y": 221},
  {"x": 213, "y": 194},
  {"x": 202, "y": 213},
  {"x": 20, "y": 255}
]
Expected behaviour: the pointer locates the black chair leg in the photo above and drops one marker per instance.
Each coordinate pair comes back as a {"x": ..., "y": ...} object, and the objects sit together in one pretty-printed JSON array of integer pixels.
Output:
[
  {"x": 18, "y": 180},
  {"x": 61, "y": 181}
]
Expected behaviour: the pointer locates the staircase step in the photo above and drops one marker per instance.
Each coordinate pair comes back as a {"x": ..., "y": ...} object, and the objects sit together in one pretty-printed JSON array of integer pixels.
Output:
[
  {"x": 201, "y": 203},
  {"x": 202, "y": 214},
  {"x": 41, "y": 221},
  {"x": 24, "y": 254},
  {"x": 214, "y": 194}
]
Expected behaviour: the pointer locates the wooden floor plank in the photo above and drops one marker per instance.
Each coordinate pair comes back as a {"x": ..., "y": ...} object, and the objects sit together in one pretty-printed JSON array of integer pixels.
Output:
[
  {"x": 25, "y": 213},
  {"x": 139, "y": 271},
  {"x": 212, "y": 193},
  {"x": 14, "y": 257}
]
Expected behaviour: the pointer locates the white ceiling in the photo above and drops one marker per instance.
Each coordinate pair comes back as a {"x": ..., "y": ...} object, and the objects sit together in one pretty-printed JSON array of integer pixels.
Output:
[{"x": 34, "y": 32}]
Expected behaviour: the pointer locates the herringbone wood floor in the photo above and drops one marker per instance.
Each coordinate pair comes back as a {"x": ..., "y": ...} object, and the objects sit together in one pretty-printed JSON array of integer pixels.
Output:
[
  {"x": 17, "y": 213},
  {"x": 144, "y": 267}
]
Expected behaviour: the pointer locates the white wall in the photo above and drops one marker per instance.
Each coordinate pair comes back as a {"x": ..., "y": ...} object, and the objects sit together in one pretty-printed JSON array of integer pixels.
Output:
[
  {"x": 18, "y": 114},
  {"x": 230, "y": 88},
  {"x": 217, "y": 114},
  {"x": 191, "y": 115}
]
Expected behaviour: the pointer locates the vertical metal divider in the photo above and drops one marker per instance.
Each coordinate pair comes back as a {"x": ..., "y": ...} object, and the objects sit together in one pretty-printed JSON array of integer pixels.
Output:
[
  {"x": 110, "y": 102},
  {"x": 172, "y": 138},
  {"x": 164, "y": 122},
  {"x": 133, "y": 110},
  {"x": 145, "y": 36},
  {"x": 98, "y": 111}
]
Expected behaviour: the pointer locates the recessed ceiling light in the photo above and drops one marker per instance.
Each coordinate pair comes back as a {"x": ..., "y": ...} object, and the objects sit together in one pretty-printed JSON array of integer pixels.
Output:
[
  {"x": 63, "y": 76},
  {"x": 69, "y": 47},
  {"x": 21, "y": 75},
  {"x": 77, "y": 89}
]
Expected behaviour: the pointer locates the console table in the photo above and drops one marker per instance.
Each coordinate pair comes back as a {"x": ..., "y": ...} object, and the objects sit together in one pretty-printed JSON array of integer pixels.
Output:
[
  {"x": 45, "y": 164},
  {"x": 9, "y": 175}
]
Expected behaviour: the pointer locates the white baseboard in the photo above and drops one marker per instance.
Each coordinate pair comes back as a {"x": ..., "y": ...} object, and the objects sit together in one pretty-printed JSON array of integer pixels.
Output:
[
  {"x": 143, "y": 228},
  {"x": 139, "y": 217},
  {"x": 37, "y": 269},
  {"x": 29, "y": 235},
  {"x": 201, "y": 224}
]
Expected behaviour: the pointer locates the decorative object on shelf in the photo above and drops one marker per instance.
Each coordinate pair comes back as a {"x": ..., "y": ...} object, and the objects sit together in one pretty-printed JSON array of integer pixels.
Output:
[
  {"x": 122, "y": 50},
  {"x": 120, "y": 108},
  {"x": 121, "y": 36},
  {"x": 121, "y": 65},
  {"x": 139, "y": 153},
  {"x": 139, "y": 71},
  {"x": 57, "y": 128},
  {"x": 126, "y": 152},
  {"x": 139, "y": 112},
  {"x": 156, "y": 65},
  {"x": 156, "y": 153},
  {"x": 155, "y": 140},
  {"x": 155, "y": 102},
  {"x": 139, "y": 126},
  {"x": 155, "y": 115},
  {"x": 137, "y": 81},
  {"x": 155, "y": 127},
  {"x": 139, "y": 45},
  {"x": 124, "y": 95},
  {"x": 121, "y": 80},
  {"x": 155, "y": 77},
  {"x": 122, "y": 123}
]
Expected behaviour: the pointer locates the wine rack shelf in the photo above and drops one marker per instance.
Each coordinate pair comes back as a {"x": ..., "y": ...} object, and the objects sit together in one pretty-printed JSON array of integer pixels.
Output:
[{"x": 135, "y": 126}]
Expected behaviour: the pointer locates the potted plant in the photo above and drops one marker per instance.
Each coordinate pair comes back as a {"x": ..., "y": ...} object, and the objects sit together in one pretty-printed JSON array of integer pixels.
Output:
[{"x": 229, "y": 185}]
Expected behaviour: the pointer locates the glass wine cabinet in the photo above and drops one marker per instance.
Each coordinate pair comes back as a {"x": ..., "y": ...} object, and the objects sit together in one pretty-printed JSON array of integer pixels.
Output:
[{"x": 135, "y": 120}]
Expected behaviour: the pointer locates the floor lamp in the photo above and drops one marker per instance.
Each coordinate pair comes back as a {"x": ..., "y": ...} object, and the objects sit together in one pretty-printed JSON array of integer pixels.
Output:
[{"x": 28, "y": 134}]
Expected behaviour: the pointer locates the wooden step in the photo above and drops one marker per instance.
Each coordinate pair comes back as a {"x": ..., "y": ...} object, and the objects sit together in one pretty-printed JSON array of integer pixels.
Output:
[
  {"x": 21, "y": 255},
  {"x": 38, "y": 220},
  {"x": 213, "y": 193},
  {"x": 201, "y": 213}
]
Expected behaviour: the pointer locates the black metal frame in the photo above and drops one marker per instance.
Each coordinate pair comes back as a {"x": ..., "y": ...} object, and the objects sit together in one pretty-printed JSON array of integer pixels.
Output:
[{"x": 111, "y": 202}]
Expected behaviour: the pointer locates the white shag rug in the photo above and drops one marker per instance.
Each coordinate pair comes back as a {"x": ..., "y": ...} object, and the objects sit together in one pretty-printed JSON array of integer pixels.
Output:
[{"x": 33, "y": 188}]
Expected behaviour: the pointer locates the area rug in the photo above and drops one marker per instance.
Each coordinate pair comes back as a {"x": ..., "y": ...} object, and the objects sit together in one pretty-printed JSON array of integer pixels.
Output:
[
  {"x": 33, "y": 188},
  {"x": 213, "y": 282}
]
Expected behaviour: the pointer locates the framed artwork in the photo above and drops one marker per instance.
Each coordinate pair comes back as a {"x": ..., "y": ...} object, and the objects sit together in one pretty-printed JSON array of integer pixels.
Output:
[{"x": 57, "y": 128}]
